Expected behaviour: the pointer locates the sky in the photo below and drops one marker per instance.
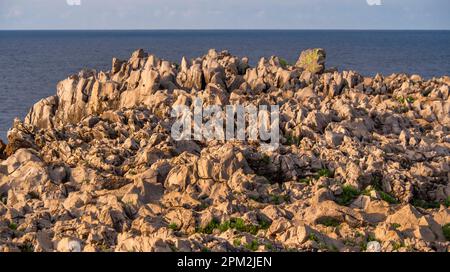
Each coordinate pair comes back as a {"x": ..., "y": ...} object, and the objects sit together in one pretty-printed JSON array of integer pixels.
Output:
[{"x": 224, "y": 14}]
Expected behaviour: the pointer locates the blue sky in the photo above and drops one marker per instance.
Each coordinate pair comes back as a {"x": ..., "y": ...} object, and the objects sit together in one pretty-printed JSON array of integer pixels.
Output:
[{"x": 225, "y": 14}]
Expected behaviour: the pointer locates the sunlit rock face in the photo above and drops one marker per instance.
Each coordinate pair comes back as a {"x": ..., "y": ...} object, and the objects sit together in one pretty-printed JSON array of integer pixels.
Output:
[{"x": 95, "y": 167}]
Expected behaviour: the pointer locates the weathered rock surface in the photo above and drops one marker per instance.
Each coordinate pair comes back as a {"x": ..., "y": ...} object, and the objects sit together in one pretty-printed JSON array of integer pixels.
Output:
[{"x": 364, "y": 163}]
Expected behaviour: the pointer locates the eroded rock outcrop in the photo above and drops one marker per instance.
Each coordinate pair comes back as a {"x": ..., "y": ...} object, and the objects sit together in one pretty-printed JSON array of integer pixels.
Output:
[{"x": 361, "y": 161}]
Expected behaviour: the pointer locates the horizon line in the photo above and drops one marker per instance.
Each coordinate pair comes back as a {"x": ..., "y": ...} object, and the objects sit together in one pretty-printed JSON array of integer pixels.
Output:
[{"x": 228, "y": 29}]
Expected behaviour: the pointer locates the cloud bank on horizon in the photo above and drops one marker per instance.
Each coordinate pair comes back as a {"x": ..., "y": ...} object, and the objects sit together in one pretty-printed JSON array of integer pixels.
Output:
[{"x": 226, "y": 14}]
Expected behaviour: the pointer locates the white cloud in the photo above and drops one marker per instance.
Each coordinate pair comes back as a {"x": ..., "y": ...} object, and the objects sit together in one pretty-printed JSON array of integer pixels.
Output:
[{"x": 374, "y": 2}]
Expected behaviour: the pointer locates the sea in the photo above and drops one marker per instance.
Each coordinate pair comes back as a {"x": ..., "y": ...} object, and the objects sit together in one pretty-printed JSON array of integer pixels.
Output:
[{"x": 33, "y": 62}]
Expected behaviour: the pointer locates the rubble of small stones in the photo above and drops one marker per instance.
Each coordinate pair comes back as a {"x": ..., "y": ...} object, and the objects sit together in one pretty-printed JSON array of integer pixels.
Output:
[{"x": 363, "y": 165}]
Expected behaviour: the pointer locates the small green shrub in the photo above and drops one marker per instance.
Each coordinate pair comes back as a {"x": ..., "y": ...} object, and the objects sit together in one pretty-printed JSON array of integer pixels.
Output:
[
  {"x": 324, "y": 173},
  {"x": 388, "y": 198},
  {"x": 237, "y": 242},
  {"x": 313, "y": 237},
  {"x": 395, "y": 225},
  {"x": 253, "y": 246},
  {"x": 425, "y": 204},
  {"x": 208, "y": 229},
  {"x": 292, "y": 140},
  {"x": 447, "y": 202},
  {"x": 268, "y": 246},
  {"x": 401, "y": 99},
  {"x": 397, "y": 245},
  {"x": 329, "y": 222},
  {"x": 446, "y": 231},
  {"x": 12, "y": 226},
  {"x": 306, "y": 181},
  {"x": 234, "y": 223},
  {"x": 349, "y": 193},
  {"x": 26, "y": 247},
  {"x": 174, "y": 226},
  {"x": 276, "y": 199},
  {"x": 410, "y": 99}
]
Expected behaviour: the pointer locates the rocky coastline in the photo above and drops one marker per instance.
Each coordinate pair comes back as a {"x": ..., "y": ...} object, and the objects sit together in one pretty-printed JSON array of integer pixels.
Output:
[{"x": 363, "y": 163}]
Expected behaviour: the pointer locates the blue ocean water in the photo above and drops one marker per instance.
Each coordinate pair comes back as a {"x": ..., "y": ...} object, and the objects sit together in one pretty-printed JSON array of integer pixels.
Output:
[{"x": 32, "y": 62}]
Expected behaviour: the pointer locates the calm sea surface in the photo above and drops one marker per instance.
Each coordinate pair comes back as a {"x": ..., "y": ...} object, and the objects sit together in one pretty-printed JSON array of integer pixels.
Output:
[{"x": 32, "y": 62}]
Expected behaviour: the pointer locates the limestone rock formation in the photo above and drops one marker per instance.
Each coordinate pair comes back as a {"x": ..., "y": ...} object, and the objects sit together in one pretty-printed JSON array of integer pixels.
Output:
[{"x": 363, "y": 162}]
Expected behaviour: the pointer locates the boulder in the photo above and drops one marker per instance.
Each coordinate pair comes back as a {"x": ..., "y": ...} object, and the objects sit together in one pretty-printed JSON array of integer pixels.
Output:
[{"x": 312, "y": 60}]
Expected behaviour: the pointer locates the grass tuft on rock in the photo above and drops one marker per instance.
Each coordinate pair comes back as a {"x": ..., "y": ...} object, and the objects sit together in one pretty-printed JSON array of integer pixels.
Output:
[
  {"x": 324, "y": 173},
  {"x": 174, "y": 226},
  {"x": 427, "y": 205},
  {"x": 388, "y": 198},
  {"x": 330, "y": 222},
  {"x": 349, "y": 193},
  {"x": 252, "y": 246},
  {"x": 12, "y": 226},
  {"x": 236, "y": 224}
]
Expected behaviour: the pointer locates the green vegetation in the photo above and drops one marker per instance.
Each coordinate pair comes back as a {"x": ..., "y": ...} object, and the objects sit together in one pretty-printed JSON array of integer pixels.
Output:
[
  {"x": 174, "y": 226},
  {"x": 401, "y": 99},
  {"x": 237, "y": 242},
  {"x": 333, "y": 248},
  {"x": 292, "y": 140},
  {"x": 173, "y": 248},
  {"x": 278, "y": 199},
  {"x": 395, "y": 225},
  {"x": 284, "y": 63},
  {"x": 253, "y": 246},
  {"x": 329, "y": 222},
  {"x": 268, "y": 246},
  {"x": 446, "y": 231},
  {"x": 388, "y": 198},
  {"x": 234, "y": 223},
  {"x": 208, "y": 229},
  {"x": 376, "y": 185},
  {"x": 363, "y": 244},
  {"x": 314, "y": 238},
  {"x": 310, "y": 60},
  {"x": 12, "y": 226},
  {"x": 425, "y": 204},
  {"x": 26, "y": 247},
  {"x": 349, "y": 193},
  {"x": 371, "y": 238},
  {"x": 430, "y": 204},
  {"x": 307, "y": 181},
  {"x": 324, "y": 173},
  {"x": 397, "y": 245},
  {"x": 105, "y": 248},
  {"x": 205, "y": 249},
  {"x": 410, "y": 99},
  {"x": 321, "y": 173}
]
